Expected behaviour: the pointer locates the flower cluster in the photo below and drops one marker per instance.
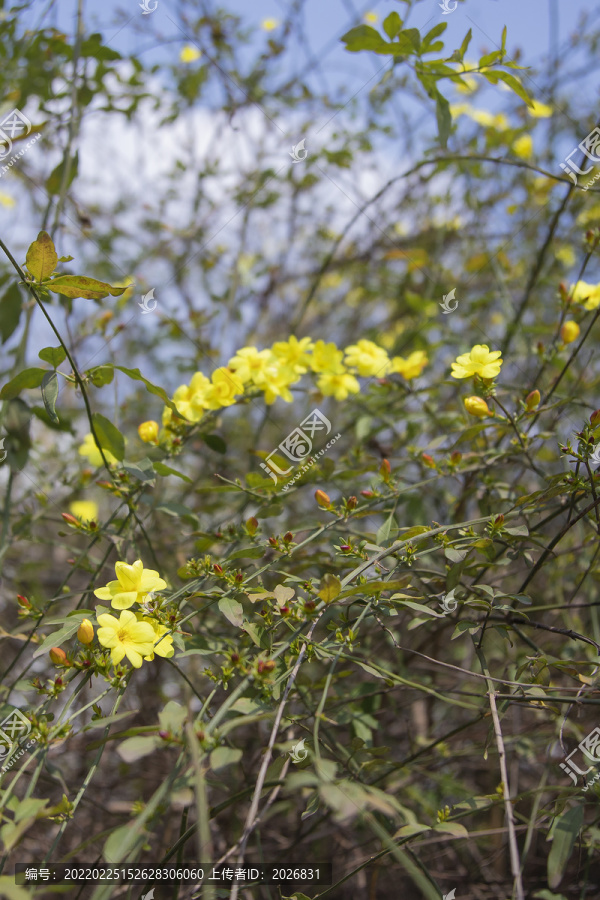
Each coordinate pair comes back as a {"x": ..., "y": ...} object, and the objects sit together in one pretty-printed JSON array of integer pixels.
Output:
[
  {"x": 588, "y": 295},
  {"x": 273, "y": 371},
  {"x": 135, "y": 635}
]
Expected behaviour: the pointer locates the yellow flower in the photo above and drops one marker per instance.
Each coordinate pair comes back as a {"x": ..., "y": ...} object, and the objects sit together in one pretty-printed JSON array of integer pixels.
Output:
[
  {"x": 269, "y": 24},
  {"x": 6, "y": 200},
  {"x": 89, "y": 448},
  {"x": 191, "y": 399},
  {"x": 337, "y": 384},
  {"x": 371, "y": 17},
  {"x": 279, "y": 386},
  {"x": 126, "y": 636},
  {"x": 481, "y": 116},
  {"x": 148, "y": 431},
  {"x": 411, "y": 367},
  {"x": 252, "y": 365},
  {"x": 327, "y": 358},
  {"x": 479, "y": 361},
  {"x": 165, "y": 647},
  {"x": 224, "y": 388},
  {"x": 588, "y": 295},
  {"x": 294, "y": 354},
  {"x": 569, "y": 331},
  {"x": 566, "y": 255},
  {"x": 132, "y": 585},
  {"x": 189, "y": 54},
  {"x": 523, "y": 146},
  {"x": 368, "y": 358},
  {"x": 85, "y": 632},
  {"x": 86, "y": 510},
  {"x": 539, "y": 110},
  {"x": 476, "y": 406}
]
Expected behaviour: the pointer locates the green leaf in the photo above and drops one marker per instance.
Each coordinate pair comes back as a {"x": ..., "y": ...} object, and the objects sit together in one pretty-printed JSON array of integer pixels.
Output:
[
  {"x": 108, "y": 435},
  {"x": 59, "y": 637},
  {"x": 383, "y": 532},
  {"x": 393, "y": 24},
  {"x": 162, "y": 469},
  {"x": 490, "y": 58},
  {"x": 563, "y": 833},
  {"x": 41, "y": 257},
  {"x": 247, "y": 553},
  {"x": 232, "y": 610},
  {"x": 215, "y": 442},
  {"x": 431, "y": 35},
  {"x": 28, "y": 378},
  {"x": 101, "y": 375},
  {"x": 11, "y": 305},
  {"x": 513, "y": 83},
  {"x": 471, "y": 627},
  {"x": 82, "y": 286},
  {"x": 135, "y": 748},
  {"x": 136, "y": 375},
  {"x": 444, "y": 118},
  {"x": 172, "y": 717},
  {"x": 465, "y": 44},
  {"x": 330, "y": 587},
  {"x": 224, "y": 756},
  {"x": 54, "y": 180},
  {"x": 12, "y": 891},
  {"x": 50, "y": 394},
  {"x": 363, "y": 37},
  {"x": 53, "y": 355}
]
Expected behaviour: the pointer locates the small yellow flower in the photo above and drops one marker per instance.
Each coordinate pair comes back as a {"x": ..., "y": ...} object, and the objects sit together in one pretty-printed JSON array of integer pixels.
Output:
[
  {"x": 294, "y": 354},
  {"x": 165, "y": 646},
  {"x": 411, "y": 367},
  {"x": 252, "y": 365},
  {"x": 566, "y": 255},
  {"x": 588, "y": 295},
  {"x": 367, "y": 358},
  {"x": 476, "y": 406},
  {"x": 327, "y": 358},
  {"x": 148, "y": 431},
  {"x": 126, "y": 636},
  {"x": 279, "y": 386},
  {"x": 89, "y": 449},
  {"x": 189, "y": 54},
  {"x": 371, "y": 17},
  {"x": 132, "y": 585},
  {"x": 191, "y": 399},
  {"x": 539, "y": 110},
  {"x": 6, "y": 200},
  {"x": 85, "y": 510},
  {"x": 269, "y": 24},
  {"x": 338, "y": 384},
  {"x": 225, "y": 386},
  {"x": 85, "y": 632},
  {"x": 569, "y": 331},
  {"x": 479, "y": 361},
  {"x": 523, "y": 146},
  {"x": 58, "y": 656}
]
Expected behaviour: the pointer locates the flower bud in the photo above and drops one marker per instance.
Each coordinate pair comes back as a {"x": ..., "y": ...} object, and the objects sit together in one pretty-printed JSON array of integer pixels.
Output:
[
  {"x": 148, "y": 431},
  {"x": 58, "y": 656},
  {"x": 367, "y": 494},
  {"x": 569, "y": 331},
  {"x": 322, "y": 499},
  {"x": 476, "y": 406},
  {"x": 85, "y": 632},
  {"x": 23, "y": 601},
  {"x": 288, "y": 537},
  {"x": 595, "y": 418},
  {"x": 385, "y": 470},
  {"x": 532, "y": 400},
  {"x": 265, "y": 666},
  {"x": 70, "y": 520},
  {"x": 455, "y": 457},
  {"x": 428, "y": 460},
  {"x": 352, "y": 502},
  {"x": 252, "y": 525},
  {"x": 218, "y": 569}
]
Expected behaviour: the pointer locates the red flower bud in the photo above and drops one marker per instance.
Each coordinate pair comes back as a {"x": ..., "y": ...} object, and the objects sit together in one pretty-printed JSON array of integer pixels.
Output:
[
  {"x": 322, "y": 499},
  {"x": 352, "y": 502},
  {"x": 367, "y": 494},
  {"x": 217, "y": 568}
]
